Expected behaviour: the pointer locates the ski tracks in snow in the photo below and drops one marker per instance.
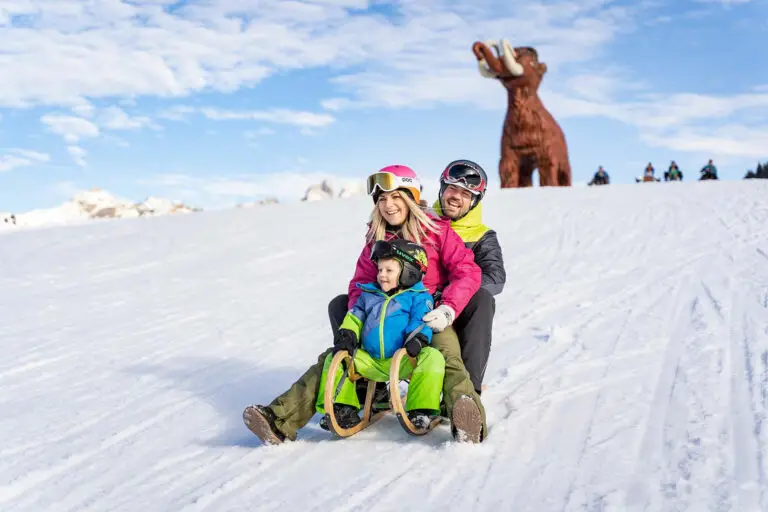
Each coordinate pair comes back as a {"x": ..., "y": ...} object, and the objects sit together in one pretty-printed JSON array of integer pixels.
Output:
[{"x": 629, "y": 369}]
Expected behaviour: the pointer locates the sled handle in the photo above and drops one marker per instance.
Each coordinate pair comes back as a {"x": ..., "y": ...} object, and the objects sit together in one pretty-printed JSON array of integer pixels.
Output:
[
  {"x": 344, "y": 375},
  {"x": 415, "y": 332}
]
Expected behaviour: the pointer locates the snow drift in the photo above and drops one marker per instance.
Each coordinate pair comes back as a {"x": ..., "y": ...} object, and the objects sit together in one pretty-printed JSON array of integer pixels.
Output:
[{"x": 629, "y": 368}]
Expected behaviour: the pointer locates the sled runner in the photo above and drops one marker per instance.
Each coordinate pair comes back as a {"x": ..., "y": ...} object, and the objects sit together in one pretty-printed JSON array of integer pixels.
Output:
[
  {"x": 396, "y": 401},
  {"x": 369, "y": 417},
  {"x": 331, "y": 392}
]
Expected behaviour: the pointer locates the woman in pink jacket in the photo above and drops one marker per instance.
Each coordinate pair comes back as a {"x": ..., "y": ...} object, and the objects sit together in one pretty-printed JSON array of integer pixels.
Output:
[{"x": 452, "y": 277}]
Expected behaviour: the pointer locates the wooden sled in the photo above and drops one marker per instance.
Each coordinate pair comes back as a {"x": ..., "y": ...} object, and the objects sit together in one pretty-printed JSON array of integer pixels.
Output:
[
  {"x": 331, "y": 392},
  {"x": 396, "y": 401}
]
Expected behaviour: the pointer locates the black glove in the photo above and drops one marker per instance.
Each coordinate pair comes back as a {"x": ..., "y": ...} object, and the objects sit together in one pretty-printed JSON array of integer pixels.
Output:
[
  {"x": 344, "y": 340},
  {"x": 413, "y": 346}
]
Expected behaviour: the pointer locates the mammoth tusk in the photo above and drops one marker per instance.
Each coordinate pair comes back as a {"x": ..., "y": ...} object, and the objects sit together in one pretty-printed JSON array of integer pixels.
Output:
[
  {"x": 508, "y": 57},
  {"x": 485, "y": 70}
]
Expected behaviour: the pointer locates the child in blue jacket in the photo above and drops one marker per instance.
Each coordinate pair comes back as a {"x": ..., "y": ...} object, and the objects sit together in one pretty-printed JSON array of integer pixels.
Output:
[{"x": 384, "y": 316}]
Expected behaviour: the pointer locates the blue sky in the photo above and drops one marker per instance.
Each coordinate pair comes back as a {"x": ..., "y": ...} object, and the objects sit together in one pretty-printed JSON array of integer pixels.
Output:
[{"x": 218, "y": 102}]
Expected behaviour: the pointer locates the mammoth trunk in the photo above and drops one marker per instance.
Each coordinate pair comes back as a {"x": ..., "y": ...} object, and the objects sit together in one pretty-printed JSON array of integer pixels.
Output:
[
  {"x": 487, "y": 62},
  {"x": 499, "y": 64}
]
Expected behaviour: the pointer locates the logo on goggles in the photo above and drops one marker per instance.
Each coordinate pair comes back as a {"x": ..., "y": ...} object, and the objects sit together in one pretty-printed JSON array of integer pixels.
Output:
[{"x": 387, "y": 182}]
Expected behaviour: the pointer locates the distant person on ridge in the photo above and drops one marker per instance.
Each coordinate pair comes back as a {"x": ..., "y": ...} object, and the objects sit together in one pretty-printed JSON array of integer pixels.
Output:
[
  {"x": 709, "y": 171},
  {"x": 600, "y": 178},
  {"x": 648, "y": 175},
  {"x": 673, "y": 173}
]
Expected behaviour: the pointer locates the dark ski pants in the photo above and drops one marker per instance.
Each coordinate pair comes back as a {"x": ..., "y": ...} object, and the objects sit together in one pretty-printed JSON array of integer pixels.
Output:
[
  {"x": 296, "y": 406},
  {"x": 474, "y": 326}
]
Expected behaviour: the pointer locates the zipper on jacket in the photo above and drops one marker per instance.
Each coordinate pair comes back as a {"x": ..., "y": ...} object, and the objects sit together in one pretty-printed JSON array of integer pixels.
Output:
[
  {"x": 381, "y": 321},
  {"x": 384, "y": 315}
]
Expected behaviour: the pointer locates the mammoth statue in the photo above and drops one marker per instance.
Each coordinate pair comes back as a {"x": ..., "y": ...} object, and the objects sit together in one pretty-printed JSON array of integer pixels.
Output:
[{"x": 531, "y": 138}]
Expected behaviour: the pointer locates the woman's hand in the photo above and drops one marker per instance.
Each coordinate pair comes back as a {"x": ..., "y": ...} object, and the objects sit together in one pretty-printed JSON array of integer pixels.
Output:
[{"x": 439, "y": 318}]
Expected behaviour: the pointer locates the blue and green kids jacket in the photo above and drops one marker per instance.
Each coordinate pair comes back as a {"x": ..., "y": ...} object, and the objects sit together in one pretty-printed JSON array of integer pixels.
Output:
[{"x": 382, "y": 322}]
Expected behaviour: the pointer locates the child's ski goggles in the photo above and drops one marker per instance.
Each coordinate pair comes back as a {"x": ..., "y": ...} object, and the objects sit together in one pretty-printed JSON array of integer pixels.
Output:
[{"x": 387, "y": 182}]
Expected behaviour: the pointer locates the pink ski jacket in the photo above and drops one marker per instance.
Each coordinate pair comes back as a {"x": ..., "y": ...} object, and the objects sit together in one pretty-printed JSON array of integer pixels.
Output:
[{"x": 452, "y": 268}]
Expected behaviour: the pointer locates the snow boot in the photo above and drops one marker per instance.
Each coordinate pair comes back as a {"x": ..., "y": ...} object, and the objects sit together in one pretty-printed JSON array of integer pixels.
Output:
[
  {"x": 381, "y": 398},
  {"x": 261, "y": 421},
  {"x": 421, "y": 418},
  {"x": 346, "y": 417},
  {"x": 380, "y": 395},
  {"x": 467, "y": 422}
]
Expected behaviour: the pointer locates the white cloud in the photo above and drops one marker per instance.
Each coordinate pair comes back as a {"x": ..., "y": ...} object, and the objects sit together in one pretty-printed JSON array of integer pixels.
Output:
[
  {"x": 78, "y": 155},
  {"x": 16, "y": 158},
  {"x": 177, "y": 112},
  {"x": 684, "y": 122},
  {"x": 254, "y": 134},
  {"x": 123, "y": 50},
  {"x": 129, "y": 49},
  {"x": 115, "y": 118},
  {"x": 71, "y": 128},
  {"x": 278, "y": 116},
  {"x": 231, "y": 190},
  {"x": 725, "y": 3}
]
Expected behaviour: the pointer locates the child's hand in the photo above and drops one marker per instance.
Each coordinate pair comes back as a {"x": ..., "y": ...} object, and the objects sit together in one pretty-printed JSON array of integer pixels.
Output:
[
  {"x": 414, "y": 345},
  {"x": 344, "y": 340}
]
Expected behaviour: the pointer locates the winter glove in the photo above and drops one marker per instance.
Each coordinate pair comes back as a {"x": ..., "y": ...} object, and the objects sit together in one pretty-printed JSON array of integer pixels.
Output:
[
  {"x": 440, "y": 318},
  {"x": 413, "y": 346},
  {"x": 344, "y": 340}
]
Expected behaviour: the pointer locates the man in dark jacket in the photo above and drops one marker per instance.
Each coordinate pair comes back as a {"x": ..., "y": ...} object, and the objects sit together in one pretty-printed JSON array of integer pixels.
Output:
[{"x": 462, "y": 186}]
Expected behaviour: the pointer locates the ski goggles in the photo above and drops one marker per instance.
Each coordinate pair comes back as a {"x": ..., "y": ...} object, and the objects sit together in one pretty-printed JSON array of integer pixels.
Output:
[
  {"x": 387, "y": 182},
  {"x": 384, "y": 249},
  {"x": 465, "y": 176}
]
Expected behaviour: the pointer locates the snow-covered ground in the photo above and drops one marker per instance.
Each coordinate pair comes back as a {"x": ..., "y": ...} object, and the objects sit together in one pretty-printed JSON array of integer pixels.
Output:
[{"x": 629, "y": 368}]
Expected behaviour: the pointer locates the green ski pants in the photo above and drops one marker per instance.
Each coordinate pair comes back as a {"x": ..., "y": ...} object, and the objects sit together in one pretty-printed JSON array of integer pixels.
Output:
[{"x": 424, "y": 388}]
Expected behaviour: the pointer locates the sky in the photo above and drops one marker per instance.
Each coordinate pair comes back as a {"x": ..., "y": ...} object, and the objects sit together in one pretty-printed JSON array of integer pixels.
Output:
[{"x": 220, "y": 102}]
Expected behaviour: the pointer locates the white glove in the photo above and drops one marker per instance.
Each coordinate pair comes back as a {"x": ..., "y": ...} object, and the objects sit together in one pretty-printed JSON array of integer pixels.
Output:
[{"x": 440, "y": 318}]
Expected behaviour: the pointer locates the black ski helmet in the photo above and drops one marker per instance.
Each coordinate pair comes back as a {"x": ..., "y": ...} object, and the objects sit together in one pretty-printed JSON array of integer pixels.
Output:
[
  {"x": 466, "y": 174},
  {"x": 411, "y": 256}
]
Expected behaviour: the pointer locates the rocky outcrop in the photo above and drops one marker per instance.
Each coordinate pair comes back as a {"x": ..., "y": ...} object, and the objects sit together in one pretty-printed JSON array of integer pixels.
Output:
[
  {"x": 324, "y": 190},
  {"x": 96, "y": 204},
  {"x": 260, "y": 202},
  {"x": 319, "y": 192}
]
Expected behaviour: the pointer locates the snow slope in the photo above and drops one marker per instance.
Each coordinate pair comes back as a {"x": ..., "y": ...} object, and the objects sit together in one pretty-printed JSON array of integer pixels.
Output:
[{"x": 629, "y": 369}]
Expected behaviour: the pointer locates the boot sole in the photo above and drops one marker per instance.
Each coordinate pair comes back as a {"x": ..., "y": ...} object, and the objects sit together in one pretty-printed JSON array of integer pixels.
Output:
[
  {"x": 467, "y": 421},
  {"x": 259, "y": 425}
]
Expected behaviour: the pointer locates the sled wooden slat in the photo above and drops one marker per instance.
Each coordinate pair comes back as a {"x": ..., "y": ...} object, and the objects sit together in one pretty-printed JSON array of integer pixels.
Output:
[
  {"x": 397, "y": 402},
  {"x": 330, "y": 388}
]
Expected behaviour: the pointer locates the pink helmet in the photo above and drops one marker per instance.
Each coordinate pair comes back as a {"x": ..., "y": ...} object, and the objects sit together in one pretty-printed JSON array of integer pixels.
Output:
[{"x": 394, "y": 177}]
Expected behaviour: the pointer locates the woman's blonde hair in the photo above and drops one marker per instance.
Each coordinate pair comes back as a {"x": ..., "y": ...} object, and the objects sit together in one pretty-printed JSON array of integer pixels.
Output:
[{"x": 417, "y": 226}]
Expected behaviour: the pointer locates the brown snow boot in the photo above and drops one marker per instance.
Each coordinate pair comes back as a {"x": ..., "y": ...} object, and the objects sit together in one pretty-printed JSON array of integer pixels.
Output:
[
  {"x": 467, "y": 422},
  {"x": 261, "y": 421}
]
